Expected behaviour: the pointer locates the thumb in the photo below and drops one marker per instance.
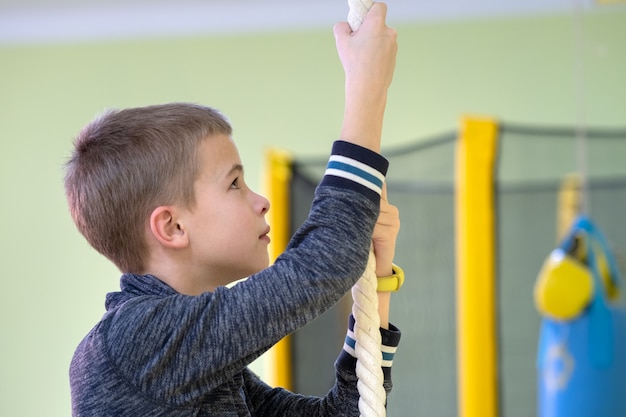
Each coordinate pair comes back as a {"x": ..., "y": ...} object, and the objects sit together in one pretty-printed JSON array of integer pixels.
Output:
[{"x": 341, "y": 29}]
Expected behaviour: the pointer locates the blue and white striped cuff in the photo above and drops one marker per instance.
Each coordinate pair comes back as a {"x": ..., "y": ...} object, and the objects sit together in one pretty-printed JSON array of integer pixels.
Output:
[
  {"x": 388, "y": 352},
  {"x": 352, "y": 166},
  {"x": 351, "y": 169}
]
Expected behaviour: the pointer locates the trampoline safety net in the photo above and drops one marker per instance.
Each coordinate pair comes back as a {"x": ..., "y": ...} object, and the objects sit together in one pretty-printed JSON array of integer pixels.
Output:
[{"x": 531, "y": 166}]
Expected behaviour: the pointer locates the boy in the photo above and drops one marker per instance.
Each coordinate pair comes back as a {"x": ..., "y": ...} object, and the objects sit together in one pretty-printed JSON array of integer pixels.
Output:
[{"x": 160, "y": 192}]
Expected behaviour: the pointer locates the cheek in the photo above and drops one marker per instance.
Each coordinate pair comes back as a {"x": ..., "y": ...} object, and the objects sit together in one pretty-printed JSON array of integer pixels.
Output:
[{"x": 234, "y": 217}]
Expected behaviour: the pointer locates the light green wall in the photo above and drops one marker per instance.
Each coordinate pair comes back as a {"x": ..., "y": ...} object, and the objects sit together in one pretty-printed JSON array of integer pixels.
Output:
[{"x": 282, "y": 90}]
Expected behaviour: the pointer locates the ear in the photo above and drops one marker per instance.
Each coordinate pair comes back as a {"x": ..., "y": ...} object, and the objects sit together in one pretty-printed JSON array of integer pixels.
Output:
[{"x": 166, "y": 229}]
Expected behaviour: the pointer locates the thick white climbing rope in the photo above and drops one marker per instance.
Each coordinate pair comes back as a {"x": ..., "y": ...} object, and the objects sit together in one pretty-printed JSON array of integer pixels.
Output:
[
  {"x": 357, "y": 12},
  {"x": 365, "y": 303},
  {"x": 372, "y": 395}
]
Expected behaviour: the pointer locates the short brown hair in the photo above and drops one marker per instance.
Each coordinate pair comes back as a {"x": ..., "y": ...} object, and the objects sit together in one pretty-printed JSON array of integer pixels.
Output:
[{"x": 126, "y": 163}]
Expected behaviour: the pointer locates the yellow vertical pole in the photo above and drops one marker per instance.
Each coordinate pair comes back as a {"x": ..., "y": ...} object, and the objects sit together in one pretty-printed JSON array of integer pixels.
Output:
[
  {"x": 475, "y": 246},
  {"x": 277, "y": 365}
]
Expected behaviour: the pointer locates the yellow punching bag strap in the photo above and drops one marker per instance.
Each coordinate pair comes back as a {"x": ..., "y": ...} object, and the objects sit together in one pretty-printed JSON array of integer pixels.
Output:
[{"x": 392, "y": 282}]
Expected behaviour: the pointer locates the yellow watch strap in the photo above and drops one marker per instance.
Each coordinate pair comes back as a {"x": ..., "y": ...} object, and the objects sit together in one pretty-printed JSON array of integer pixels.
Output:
[{"x": 393, "y": 282}]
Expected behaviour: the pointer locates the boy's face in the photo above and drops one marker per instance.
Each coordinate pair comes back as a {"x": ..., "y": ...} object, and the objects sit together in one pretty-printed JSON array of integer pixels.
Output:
[{"x": 227, "y": 227}]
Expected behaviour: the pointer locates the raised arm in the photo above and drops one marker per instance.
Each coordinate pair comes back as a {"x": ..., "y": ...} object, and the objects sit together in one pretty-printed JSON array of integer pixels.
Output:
[{"x": 368, "y": 56}]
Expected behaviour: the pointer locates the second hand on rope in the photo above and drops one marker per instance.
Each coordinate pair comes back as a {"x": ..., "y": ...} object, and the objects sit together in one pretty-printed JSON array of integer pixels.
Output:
[{"x": 365, "y": 303}]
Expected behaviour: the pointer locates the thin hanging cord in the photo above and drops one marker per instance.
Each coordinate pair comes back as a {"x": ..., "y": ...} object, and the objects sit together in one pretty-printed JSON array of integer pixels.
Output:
[{"x": 580, "y": 93}]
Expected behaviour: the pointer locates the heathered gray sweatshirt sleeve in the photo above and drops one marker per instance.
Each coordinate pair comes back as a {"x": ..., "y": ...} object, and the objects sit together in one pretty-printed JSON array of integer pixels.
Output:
[{"x": 159, "y": 353}]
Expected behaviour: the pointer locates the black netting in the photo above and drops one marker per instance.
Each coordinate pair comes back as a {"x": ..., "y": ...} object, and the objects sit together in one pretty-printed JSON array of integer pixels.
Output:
[
  {"x": 532, "y": 163},
  {"x": 420, "y": 184}
]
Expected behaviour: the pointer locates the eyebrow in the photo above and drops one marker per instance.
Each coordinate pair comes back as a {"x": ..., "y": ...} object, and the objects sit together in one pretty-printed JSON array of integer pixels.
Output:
[{"x": 235, "y": 168}]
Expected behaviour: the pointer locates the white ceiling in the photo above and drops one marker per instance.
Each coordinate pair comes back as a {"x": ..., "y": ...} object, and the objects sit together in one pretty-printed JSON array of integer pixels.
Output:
[{"x": 25, "y": 21}]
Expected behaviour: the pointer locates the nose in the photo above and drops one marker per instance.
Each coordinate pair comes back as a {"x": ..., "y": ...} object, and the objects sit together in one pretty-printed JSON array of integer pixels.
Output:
[{"x": 261, "y": 203}]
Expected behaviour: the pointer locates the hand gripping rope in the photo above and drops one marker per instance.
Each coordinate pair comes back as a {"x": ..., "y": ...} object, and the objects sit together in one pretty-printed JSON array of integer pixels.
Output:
[{"x": 365, "y": 306}]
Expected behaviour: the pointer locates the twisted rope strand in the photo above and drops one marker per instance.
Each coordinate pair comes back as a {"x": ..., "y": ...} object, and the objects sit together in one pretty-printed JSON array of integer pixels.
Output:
[
  {"x": 368, "y": 343},
  {"x": 357, "y": 12}
]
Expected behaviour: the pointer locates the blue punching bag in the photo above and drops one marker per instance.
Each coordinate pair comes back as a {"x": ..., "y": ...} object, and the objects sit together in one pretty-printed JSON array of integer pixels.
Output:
[{"x": 581, "y": 359}]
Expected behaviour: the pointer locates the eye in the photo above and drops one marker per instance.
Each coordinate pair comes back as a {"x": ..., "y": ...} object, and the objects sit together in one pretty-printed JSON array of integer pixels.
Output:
[{"x": 235, "y": 184}]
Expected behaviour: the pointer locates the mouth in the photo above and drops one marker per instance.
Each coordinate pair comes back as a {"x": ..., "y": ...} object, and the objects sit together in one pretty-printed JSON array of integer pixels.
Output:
[{"x": 265, "y": 235}]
